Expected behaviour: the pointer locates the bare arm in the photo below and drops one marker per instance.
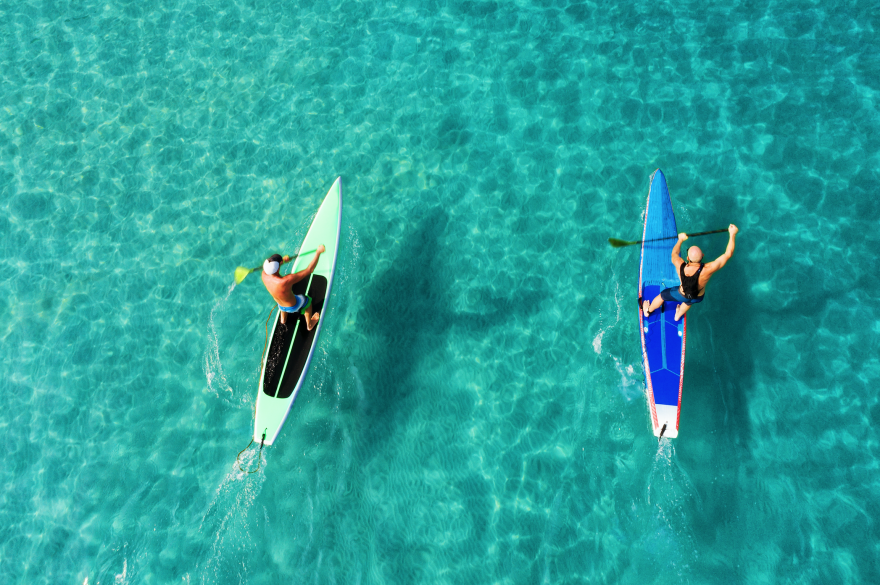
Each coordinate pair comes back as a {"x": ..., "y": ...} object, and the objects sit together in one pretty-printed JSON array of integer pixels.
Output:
[
  {"x": 676, "y": 250},
  {"x": 297, "y": 276},
  {"x": 719, "y": 262}
]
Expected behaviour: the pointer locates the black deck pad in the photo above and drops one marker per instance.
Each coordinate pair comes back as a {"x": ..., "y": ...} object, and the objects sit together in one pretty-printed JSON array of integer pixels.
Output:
[{"x": 302, "y": 344}]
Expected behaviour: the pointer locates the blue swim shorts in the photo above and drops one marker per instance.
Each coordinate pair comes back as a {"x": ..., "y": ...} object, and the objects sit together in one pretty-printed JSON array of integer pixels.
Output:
[
  {"x": 674, "y": 295},
  {"x": 302, "y": 302}
]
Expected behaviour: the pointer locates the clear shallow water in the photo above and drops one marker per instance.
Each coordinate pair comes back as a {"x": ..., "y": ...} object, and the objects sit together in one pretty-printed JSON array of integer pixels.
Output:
[{"x": 475, "y": 413}]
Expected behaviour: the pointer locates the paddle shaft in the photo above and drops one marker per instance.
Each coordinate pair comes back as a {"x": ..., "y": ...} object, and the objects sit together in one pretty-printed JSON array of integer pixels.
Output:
[
  {"x": 620, "y": 243},
  {"x": 292, "y": 258},
  {"x": 241, "y": 275},
  {"x": 676, "y": 237}
]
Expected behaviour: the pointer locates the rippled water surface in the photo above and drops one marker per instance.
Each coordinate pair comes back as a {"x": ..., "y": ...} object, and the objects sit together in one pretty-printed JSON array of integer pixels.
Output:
[{"x": 476, "y": 410}]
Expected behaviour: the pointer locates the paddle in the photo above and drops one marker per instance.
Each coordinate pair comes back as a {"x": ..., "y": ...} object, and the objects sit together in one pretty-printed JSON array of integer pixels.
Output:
[
  {"x": 615, "y": 243},
  {"x": 241, "y": 272}
]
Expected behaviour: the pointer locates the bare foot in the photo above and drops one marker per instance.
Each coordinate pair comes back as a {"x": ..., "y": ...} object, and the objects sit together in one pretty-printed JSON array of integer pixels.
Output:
[
  {"x": 645, "y": 306},
  {"x": 679, "y": 312},
  {"x": 313, "y": 321}
]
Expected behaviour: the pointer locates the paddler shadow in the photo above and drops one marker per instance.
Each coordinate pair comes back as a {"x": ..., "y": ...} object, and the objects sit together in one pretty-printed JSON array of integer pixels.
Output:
[
  {"x": 719, "y": 380},
  {"x": 721, "y": 360},
  {"x": 408, "y": 322}
]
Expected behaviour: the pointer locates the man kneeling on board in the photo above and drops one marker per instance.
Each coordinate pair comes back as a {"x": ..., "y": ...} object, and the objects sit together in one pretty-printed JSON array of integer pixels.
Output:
[
  {"x": 280, "y": 287},
  {"x": 694, "y": 276}
]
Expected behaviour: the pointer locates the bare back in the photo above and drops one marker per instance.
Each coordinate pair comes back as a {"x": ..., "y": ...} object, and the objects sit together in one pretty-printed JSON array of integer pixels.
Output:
[
  {"x": 280, "y": 287},
  {"x": 710, "y": 268}
]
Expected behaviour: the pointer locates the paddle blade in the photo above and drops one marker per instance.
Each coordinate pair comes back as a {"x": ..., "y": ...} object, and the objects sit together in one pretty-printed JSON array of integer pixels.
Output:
[
  {"x": 240, "y": 273},
  {"x": 615, "y": 243}
]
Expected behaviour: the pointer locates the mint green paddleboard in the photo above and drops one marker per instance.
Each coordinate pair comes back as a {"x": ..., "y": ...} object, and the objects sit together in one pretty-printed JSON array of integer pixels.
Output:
[{"x": 290, "y": 350}]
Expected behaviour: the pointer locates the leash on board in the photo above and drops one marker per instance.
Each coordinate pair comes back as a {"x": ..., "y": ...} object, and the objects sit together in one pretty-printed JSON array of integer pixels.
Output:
[
  {"x": 663, "y": 430},
  {"x": 259, "y": 455}
]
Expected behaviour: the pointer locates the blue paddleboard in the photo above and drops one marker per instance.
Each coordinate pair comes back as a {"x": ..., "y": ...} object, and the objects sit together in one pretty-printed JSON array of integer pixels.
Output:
[{"x": 663, "y": 339}]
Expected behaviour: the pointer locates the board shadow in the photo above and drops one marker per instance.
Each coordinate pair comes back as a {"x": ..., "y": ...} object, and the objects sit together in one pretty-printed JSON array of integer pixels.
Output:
[{"x": 408, "y": 318}]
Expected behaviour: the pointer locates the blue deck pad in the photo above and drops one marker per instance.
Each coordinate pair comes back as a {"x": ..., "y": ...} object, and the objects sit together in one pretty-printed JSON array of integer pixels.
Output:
[
  {"x": 663, "y": 340},
  {"x": 664, "y": 337}
]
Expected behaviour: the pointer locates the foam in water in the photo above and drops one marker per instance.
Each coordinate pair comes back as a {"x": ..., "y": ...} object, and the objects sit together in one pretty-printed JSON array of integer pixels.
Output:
[{"x": 216, "y": 379}]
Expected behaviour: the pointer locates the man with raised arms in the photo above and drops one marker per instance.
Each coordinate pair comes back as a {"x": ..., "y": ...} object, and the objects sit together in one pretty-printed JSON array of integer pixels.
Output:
[
  {"x": 280, "y": 287},
  {"x": 694, "y": 276}
]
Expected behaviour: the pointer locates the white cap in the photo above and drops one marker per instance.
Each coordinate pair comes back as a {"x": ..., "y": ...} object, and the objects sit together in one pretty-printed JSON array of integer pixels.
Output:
[{"x": 271, "y": 267}]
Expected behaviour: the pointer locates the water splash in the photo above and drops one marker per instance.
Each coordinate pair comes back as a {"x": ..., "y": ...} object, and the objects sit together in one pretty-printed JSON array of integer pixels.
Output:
[
  {"x": 597, "y": 342},
  {"x": 213, "y": 367},
  {"x": 120, "y": 579},
  {"x": 630, "y": 386}
]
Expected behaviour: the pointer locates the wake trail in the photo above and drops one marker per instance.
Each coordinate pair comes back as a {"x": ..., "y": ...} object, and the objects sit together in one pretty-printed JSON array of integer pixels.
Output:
[
  {"x": 229, "y": 519},
  {"x": 672, "y": 504}
]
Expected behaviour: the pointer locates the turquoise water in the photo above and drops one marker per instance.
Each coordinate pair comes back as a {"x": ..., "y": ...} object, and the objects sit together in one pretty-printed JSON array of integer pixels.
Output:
[{"x": 475, "y": 412}]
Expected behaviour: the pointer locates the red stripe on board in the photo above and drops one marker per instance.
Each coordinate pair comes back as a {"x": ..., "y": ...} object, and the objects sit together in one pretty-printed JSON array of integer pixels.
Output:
[
  {"x": 684, "y": 332},
  {"x": 652, "y": 406}
]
